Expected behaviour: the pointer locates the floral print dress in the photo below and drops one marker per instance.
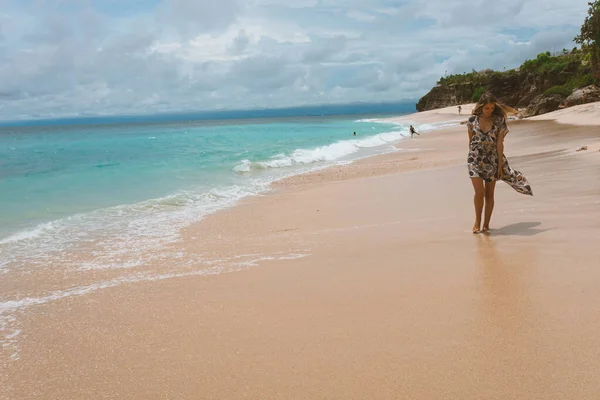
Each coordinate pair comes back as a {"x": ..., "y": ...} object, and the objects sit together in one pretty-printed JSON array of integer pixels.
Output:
[{"x": 483, "y": 156}]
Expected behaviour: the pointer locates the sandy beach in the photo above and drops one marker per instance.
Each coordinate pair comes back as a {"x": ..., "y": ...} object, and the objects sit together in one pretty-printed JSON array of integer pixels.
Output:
[{"x": 357, "y": 282}]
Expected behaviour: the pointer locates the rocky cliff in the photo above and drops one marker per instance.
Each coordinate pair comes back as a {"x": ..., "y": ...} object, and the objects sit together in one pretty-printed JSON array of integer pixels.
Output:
[{"x": 539, "y": 86}]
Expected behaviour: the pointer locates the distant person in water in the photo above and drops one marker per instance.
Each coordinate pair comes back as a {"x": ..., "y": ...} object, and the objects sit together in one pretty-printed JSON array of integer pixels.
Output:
[
  {"x": 486, "y": 161},
  {"x": 413, "y": 131},
  {"x": 459, "y": 109},
  {"x": 354, "y": 133}
]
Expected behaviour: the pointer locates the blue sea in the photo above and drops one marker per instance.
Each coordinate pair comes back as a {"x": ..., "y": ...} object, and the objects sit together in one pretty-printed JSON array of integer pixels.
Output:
[
  {"x": 90, "y": 204},
  {"x": 136, "y": 183}
]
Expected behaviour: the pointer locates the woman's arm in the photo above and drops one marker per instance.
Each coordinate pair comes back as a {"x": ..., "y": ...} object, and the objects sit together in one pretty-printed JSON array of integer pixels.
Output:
[
  {"x": 500, "y": 147},
  {"x": 470, "y": 130}
]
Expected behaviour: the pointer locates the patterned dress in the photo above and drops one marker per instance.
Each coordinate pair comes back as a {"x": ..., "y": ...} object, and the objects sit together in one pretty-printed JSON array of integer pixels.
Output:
[{"x": 483, "y": 156}]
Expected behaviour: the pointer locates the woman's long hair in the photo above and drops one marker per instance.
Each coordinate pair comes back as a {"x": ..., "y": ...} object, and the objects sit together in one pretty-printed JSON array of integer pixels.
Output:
[{"x": 500, "y": 110}]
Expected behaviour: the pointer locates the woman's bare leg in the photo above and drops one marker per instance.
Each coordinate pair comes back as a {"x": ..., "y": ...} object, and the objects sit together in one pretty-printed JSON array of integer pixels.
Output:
[
  {"x": 490, "y": 187},
  {"x": 478, "y": 201}
]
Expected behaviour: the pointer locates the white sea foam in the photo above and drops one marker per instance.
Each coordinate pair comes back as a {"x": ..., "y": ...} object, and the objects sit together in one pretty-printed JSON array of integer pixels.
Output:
[
  {"x": 243, "y": 166},
  {"x": 333, "y": 152},
  {"x": 419, "y": 127},
  {"x": 9, "y": 333},
  {"x": 123, "y": 236},
  {"x": 374, "y": 120},
  {"x": 3, "y": 266}
]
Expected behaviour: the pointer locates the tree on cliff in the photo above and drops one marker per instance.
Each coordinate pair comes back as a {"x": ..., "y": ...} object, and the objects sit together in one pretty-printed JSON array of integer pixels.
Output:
[{"x": 590, "y": 35}]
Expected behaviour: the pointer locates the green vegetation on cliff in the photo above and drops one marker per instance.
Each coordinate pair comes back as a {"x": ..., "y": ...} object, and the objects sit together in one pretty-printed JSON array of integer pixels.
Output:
[
  {"x": 555, "y": 75},
  {"x": 573, "y": 67}
]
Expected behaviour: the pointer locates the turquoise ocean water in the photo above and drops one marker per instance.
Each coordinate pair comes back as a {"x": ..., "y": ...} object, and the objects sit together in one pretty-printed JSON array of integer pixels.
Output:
[
  {"x": 90, "y": 206},
  {"x": 140, "y": 183}
]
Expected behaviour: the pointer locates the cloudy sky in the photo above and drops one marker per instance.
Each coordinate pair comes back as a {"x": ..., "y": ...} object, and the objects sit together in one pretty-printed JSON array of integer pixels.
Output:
[{"x": 81, "y": 57}]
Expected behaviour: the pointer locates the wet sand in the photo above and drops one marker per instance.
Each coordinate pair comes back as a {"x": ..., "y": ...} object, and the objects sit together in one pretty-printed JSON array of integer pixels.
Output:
[{"x": 356, "y": 282}]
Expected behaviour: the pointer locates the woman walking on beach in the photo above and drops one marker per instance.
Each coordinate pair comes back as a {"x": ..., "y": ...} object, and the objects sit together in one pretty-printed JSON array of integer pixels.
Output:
[{"x": 486, "y": 162}]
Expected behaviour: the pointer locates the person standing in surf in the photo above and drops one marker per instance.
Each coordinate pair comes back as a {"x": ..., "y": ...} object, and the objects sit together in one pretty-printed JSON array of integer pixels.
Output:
[
  {"x": 486, "y": 160},
  {"x": 413, "y": 131}
]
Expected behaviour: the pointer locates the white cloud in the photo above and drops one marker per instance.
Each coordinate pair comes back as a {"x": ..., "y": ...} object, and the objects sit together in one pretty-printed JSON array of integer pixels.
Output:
[
  {"x": 361, "y": 16},
  {"x": 73, "y": 57}
]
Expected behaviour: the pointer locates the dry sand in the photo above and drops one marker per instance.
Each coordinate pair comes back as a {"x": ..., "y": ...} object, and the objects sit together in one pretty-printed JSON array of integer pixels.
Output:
[
  {"x": 584, "y": 114},
  {"x": 375, "y": 289}
]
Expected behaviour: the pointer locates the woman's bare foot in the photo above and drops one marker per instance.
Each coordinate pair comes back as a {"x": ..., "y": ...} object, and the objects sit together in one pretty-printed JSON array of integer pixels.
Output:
[
  {"x": 476, "y": 228},
  {"x": 485, "y": 229}
]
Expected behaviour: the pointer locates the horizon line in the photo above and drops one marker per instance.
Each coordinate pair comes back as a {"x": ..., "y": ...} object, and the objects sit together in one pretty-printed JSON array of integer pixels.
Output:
[{"x": 329, "y": 110}]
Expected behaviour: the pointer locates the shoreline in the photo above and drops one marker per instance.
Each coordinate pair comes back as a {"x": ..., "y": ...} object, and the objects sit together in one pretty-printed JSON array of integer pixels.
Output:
[
  {"x": 364, "y": 276},
  {"x": 262, "y": 170}
]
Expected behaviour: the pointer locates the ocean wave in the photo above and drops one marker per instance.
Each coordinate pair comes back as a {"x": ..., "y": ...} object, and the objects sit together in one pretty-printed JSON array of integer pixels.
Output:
[
  {"x": 123, "y": 236},
  {"x": 372, "y": 120},
  {"x": 332, "y": 152},
  {"x": 383, "y": 121},
  {"x": 243, "y": 166},
  {"x": 419, "y": 127}
]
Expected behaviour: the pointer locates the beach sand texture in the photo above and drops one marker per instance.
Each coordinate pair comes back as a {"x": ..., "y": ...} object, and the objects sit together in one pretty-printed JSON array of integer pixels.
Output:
[{"x": 366, "y": 284}]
